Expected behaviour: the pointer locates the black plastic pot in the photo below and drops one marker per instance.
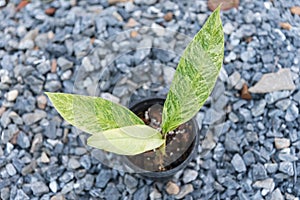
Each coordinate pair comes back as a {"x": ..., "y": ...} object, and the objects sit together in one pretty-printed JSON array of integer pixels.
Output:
[{"x": 139, "y": 108}]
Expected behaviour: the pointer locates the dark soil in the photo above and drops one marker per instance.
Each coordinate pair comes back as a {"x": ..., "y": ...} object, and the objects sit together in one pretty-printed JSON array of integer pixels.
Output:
[{"x": 178, "y": 146}]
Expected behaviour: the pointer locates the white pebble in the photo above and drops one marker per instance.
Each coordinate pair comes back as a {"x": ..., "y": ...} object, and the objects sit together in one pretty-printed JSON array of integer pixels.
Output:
[{"x": 12, "y": 95}]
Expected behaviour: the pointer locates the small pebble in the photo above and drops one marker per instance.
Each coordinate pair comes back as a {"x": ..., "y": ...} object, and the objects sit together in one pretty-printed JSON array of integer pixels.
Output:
[
  {"x": 44, "y": 158},
  {"x": 12, "y": 95},
  {"x": 73, "y": 163},
  {"x": 130, "y": 181},
  {"x": 234, "y": 78},
  {"x": 277, "y": 195},
  {"x": 286, "y": 167},
  {"x": 265, "y": 184},
  {"x": 271, "y": 167},
  {"x": 50, "y": 11},
  {"x": 58, "y": 197},
  {"x": 172, "y": 188},
  {"x": 38, "y": 188},
  {"x": 168, "y": 16},
  {"x": 281, "y": 143},
  {"x": 10, "y": 169},
  {"x": 245, "y": 93},
  {"x": 42, "y": 101},
  {"x": 186, "y": 189},
  {"x": 53, "y": 186},
  {"x": 189, "y": 175},
  {"x": 238, "y": 163}
]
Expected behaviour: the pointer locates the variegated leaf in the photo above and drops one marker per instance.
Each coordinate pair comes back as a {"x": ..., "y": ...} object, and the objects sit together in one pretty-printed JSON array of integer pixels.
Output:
[
  {"x": 92, "y": 114},
  {"x": 196, "y": 74},
  {"x": 129, "y": 140}
]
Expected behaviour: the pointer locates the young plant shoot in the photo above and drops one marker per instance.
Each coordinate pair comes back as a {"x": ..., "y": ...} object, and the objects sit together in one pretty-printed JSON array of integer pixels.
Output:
[{"x": 116, "y": 129}]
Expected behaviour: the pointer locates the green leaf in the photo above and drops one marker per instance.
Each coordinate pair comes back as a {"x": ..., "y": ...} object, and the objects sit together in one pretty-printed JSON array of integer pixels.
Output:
[
  {"x": 92, "y": 114},
  {"x": 196, "y": 74},
  {"x": 129, "y": 140}
]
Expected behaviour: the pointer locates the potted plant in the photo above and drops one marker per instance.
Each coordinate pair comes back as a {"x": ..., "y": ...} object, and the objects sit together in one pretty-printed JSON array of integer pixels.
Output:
[{"x": 157, "y": 136}]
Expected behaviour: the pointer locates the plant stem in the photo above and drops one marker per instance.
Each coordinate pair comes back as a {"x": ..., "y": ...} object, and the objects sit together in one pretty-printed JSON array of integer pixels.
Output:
[
  {"x": 162, "y": 148},
  {"x": 161, "y": 153}
]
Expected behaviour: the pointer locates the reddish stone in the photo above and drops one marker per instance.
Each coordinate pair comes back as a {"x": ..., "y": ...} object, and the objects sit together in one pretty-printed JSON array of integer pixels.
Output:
[
  {"x": 295, "y": 10},
  {"x": 226, "y": 4},
  {"x": 168, "y": 16},
  {"x": 22, "y": 4},
  {"x": 50, "y": 11},
  {"x": 245, "y": 93}
]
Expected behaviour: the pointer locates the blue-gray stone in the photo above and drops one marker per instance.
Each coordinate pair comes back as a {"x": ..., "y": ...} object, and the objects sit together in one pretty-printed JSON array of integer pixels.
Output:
[
  {"x": 21, "y": 195},
  {"x": 275, "y": 96},
  {"x": 103, "y": 177},
  {"x": 276, "y": 195},
  {"x": 101, "y": 25},
  {"x": 31, "y": 118},
  {"x": 259, "y": 108},
  {"x": 249, "y": 17},
  {"x": 296, "y": 97},
  {"x": 163, "y": 55},
  {"x": 246, "y": 114},
  {"x": 64, "y": 63},
  {"x": 287, "y": 157},
  {"x": 189, "y": 175},
  {"x": 247, "y": 55},
  {"x": 259, "y": 172},
  {"x": 212, "y": 116},
  {"x": 242, "y": 196},
  {"x": 230, "y": 144},
  {"x": 6, "y": 63},
  {"x": 7, "y": 134},
  {"x": 50, "y": 131},
  {"x": 238, "y": 163},
  {"x": 141, "y": 193},
  {"x": 73, "y": 163},
  {"x": 5, "y": 193},
  {"x": 56, "y": 49},
  {"x": 271, "y": 167},
  {"x": 140, "y": 55},
  {"x": 283, "y": 104},
  {"x": 5, "y": 120},
  {"x": 66, "y": 177},
  {"x": 252, "y": 137},
  {"x": 239, "y": 104},
  {"x": 112, "y": 192},
  {"x": 130, "y": 181},
  {"x": 10, "y": 169},
  {"x": 219, "y": 151},
  {"x": 38, "y": 188},
  {"x": 82, "y": 47},
  {"x": 85, "y": 161},
  {"x": 246, "y": 30},
  {"x": 296, "y": 188},
  {"x": 292, "y": 112},
  {"x": 23, "y": 140},
  {"x": 286, "y": 167},
  {"x": 88, "y": 181},
  {"x": 53, "y": 86},
  {"x": 268, "y": 57}
]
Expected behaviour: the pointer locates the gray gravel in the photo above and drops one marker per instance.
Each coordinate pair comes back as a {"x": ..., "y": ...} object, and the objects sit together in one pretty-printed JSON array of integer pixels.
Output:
[{"x": 249, "y": 149}]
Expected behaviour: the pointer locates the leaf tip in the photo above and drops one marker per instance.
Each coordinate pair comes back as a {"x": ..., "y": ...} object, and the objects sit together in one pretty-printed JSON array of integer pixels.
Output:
[{"x": 218, "y": 9}]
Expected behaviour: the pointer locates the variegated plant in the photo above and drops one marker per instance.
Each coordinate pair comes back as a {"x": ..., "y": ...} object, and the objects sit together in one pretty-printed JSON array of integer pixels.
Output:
[{"x": 116, "y": 129}]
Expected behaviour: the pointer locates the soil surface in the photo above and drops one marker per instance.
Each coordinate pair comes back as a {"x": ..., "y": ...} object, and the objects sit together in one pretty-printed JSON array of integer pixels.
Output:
[{"x": 178, "y": 146}]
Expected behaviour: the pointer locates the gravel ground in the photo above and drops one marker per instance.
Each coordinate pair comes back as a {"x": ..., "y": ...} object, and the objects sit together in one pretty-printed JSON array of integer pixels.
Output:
[{"x": 249, "y": 149}]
